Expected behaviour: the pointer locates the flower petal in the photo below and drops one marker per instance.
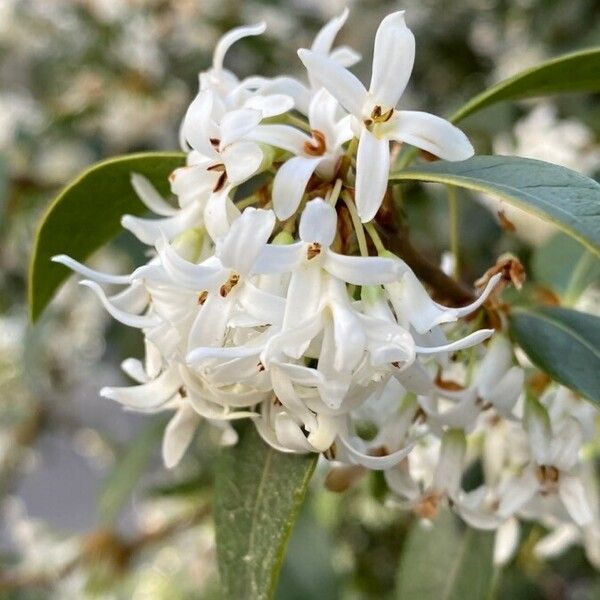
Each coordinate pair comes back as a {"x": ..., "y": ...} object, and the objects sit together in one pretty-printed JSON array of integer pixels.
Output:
[
  {"x": 137, "y": 321},
  {"x": 231, "y": 37},
  {"x": 430, "y": 133},
  {"x": 393, "y": 59},
  {"x": 372, "y": 171},
  {"x": 238, "y": 123},
  {"x": 147, "y": 396},
  {"x": 290, "y": 183},
  {"x": 281, "y": 136},
  {"x": 186, "y": 274},
  {"x": 324, "y": 39},
  {"x": 242, "y": 160},
  {"x": 149, "y": 195},
  {"x": 361, "y": 270},
  {"x": 318, "y": 223},
  {"x": 245, "y": 240},
  {"x": 92, "y": 274},
  {"x": 178, "y": 435},
  {"x": 342, "y": 84},
  {"x": 149, "y": 231},
  {"x": 573, "y": 494},
  {"x": 279, "y": 258}
]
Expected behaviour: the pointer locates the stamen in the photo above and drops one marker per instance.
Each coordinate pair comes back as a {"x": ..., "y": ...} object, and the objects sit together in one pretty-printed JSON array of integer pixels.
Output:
[
  {"x": 202, "y": 296},
  {"x": 313, "y": 250},
  {"x": 331, "y": 452},
  {"x": 318, "y": 146},
  {"x": 229, "y": 285}
]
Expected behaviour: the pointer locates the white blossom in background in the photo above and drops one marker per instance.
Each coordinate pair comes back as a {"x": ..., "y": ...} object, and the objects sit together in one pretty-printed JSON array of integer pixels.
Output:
[
  {"x": 267, "y": 308},
  {"x": 542, "y": 135}
]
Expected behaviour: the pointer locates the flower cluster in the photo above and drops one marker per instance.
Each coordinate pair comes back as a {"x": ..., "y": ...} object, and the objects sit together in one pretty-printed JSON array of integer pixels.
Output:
[{"x": 265, "y": 300}]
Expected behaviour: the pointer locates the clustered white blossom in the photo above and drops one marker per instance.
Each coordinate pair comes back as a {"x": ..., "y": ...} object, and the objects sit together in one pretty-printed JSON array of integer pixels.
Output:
[{"x": 263, "y": 308}]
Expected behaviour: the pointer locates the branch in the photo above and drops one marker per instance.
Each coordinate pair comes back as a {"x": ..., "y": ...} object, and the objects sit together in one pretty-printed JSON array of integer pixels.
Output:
[{"x": 397, "y": 240}]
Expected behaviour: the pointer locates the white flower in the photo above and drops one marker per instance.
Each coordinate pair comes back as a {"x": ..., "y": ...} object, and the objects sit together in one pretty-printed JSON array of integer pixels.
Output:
[
  {"x": 554, "y": 469},
  {"x": 320, "y": 152},
  {"x": 376, "y": 118}
]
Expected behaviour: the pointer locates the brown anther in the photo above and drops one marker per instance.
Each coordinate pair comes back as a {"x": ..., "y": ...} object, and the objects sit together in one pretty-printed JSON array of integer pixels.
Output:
[
  {"x": 368, "y": 123},
  {"x": 331, "y": 452},
  {"x": 182, "y": 392},
  {"x": 505, "y": 222},
  {"x": 219, "y": 168},
  {"x": 448, "y": 384},
  {"x": 260, "y": 366},
  {"x": 229, "y": 285},
  {"x": 202, "y": 296},
  {"x": 276, "y": 401},
  {"x": 317, "y": 146},
  {"x": 381, "y": 117},
  {"x": 313, "y": 250},
  {"x": 397, "y": 364},
  {"x": 215, "y": 142},
  {"x": 379, "y": 451},
  {"x": 547, "y": 474},
  {"x": 220, "y": 182},
  {"x": 420, "y": 416},
  {"x": 428, "y": 506}
]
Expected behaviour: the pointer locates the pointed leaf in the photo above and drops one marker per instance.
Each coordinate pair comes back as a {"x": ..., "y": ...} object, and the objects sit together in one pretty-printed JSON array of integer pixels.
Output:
[
  {"x": 568, "y": 199},
  {"x": 576, "y": 72},
  {"x": 562, "y": 342},
  {"x": 258, "y": 494},
  {"x": 445, "y": 561},
  {"x": 87, "y": 214}
]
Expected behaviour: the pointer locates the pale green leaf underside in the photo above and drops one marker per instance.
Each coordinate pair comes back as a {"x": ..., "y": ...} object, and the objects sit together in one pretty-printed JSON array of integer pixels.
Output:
[
  {"x": 562, "y": 342},
  {"x": 568, "y": 199},
  {"x": 258, "y": 493},
  {"x": 446, "y": 561},
  {"x": 87, "y": 214},
  {"x": 576, "y": 72}
]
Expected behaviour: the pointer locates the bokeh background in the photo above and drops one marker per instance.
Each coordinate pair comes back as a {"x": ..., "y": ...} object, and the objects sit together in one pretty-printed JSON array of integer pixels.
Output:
[{"x": 86, "y": 508}]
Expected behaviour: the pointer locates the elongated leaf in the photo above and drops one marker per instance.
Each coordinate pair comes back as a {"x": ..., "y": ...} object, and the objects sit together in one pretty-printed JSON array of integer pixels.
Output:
[
  {"x": 258, "y": 493},
  {"x": 566, "y": 266},
  {"x": 446, "y": 562},
  {"x": 87, "y": 214},
  {"x": 576, "y": 72},
  {"x": 563, "y": 342},
  {"x": 569, "y": 200}
]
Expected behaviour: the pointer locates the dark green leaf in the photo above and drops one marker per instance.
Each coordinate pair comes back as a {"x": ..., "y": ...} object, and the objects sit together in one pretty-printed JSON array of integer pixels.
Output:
[
  {"x": 258, "y": 493},
  {"x": 569, "y": 200},
  {"x": 87, "y": 214},
  {"x": 565, "y": 265},
  {"x": 576, "y": 72},
  {"x": 562, "y": 342},
  {"x": 446, "y": 562}
]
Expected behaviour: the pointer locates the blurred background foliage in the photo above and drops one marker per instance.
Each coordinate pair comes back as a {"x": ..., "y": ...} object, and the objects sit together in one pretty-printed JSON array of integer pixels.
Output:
[{"x": 87, "y": 510}]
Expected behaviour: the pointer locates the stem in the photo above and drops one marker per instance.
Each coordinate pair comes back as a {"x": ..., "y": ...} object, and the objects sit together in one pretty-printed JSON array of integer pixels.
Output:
[
  {"x": 454, "y": 229},
  {"x": 379, "y": 245},
  {"x": 247, "y": 201},
  {"x": 297, "y": 121},
  {"x": 335, "y": 193},
  {"x": 358, "y": 227}
]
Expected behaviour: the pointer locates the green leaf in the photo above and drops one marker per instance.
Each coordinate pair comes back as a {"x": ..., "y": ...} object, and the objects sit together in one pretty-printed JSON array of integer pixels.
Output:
[
  {"x": 258, "y": 494},
  {"x": 562, "y": 342},
  {"x": 569, "y": 200},
  {"x": 565, "y": 265},
  {"x": 576, "y": 72},
  {"x": 447, "y": 561},
  {"x": 128, "y": 469},
  {"x": 87, "y": 214}
]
